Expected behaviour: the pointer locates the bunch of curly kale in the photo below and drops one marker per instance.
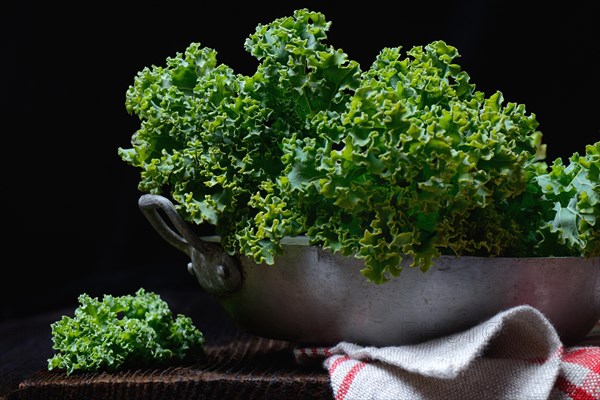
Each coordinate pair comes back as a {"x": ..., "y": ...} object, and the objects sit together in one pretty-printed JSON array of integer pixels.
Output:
[
  {"x": 130, "y": 330},
  {"x": 403, "y": 159}
]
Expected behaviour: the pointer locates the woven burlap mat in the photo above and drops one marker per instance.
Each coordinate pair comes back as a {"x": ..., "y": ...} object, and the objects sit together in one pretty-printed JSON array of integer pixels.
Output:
[{"x": 249, "y": 368}]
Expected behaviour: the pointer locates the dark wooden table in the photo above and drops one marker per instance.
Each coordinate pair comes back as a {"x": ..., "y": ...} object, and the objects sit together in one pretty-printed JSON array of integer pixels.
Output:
[{"x": 237, "y": 365}]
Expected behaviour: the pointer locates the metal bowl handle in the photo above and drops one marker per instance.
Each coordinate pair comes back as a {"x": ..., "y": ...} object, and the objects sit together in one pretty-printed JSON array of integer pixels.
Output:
[
  {"x": 149, "y": 204},
  {"x": 217, "y": 272}
]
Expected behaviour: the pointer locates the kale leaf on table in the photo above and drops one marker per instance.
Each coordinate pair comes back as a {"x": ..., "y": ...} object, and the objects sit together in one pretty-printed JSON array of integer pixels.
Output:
[{"x": 136, "y": 330}]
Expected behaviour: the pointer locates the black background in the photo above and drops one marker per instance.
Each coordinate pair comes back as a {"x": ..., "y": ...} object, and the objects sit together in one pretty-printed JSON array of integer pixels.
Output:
[{"x": 71, "y": 203}]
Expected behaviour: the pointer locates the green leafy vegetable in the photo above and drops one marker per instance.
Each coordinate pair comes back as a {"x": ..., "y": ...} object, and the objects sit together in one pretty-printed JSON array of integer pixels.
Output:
[
  {"x": 574, "y": 192},
  {"x": 132, "y": 330},
  {"x": 403, "y": 159}
]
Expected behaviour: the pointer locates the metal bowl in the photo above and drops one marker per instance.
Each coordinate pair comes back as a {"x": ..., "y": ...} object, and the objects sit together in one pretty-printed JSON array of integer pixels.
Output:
[{"x": 312, "y": 296}]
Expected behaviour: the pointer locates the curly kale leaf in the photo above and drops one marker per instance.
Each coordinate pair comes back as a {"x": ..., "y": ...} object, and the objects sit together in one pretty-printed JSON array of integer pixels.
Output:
[
  {"x": 574, "y": 192},
  {"x": 201, "y": 137},
  {"x": 127, "y": 330},
  {"x": 299, "y": 75},
  {"x": 215, "y": 140},
  {"x": 425, "y": 157}
]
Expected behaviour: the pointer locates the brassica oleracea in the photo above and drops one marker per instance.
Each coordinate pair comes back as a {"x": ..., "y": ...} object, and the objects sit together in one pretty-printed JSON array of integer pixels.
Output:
[
  {"x": 136, "y": 330},
  {"x": 403, "y": 159}
]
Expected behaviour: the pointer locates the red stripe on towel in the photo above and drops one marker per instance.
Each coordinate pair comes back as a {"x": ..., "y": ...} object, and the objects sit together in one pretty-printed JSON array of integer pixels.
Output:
[
  {"x": 586, "y": 357},
  {"x": 571, "y": 390},
  {"x": 336, "y": 363},
  {"x": 348, "y": 379}
]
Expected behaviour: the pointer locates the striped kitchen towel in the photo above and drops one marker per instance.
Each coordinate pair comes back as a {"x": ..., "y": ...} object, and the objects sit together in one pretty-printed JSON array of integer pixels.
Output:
[{"x": 516, "y": 355}]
